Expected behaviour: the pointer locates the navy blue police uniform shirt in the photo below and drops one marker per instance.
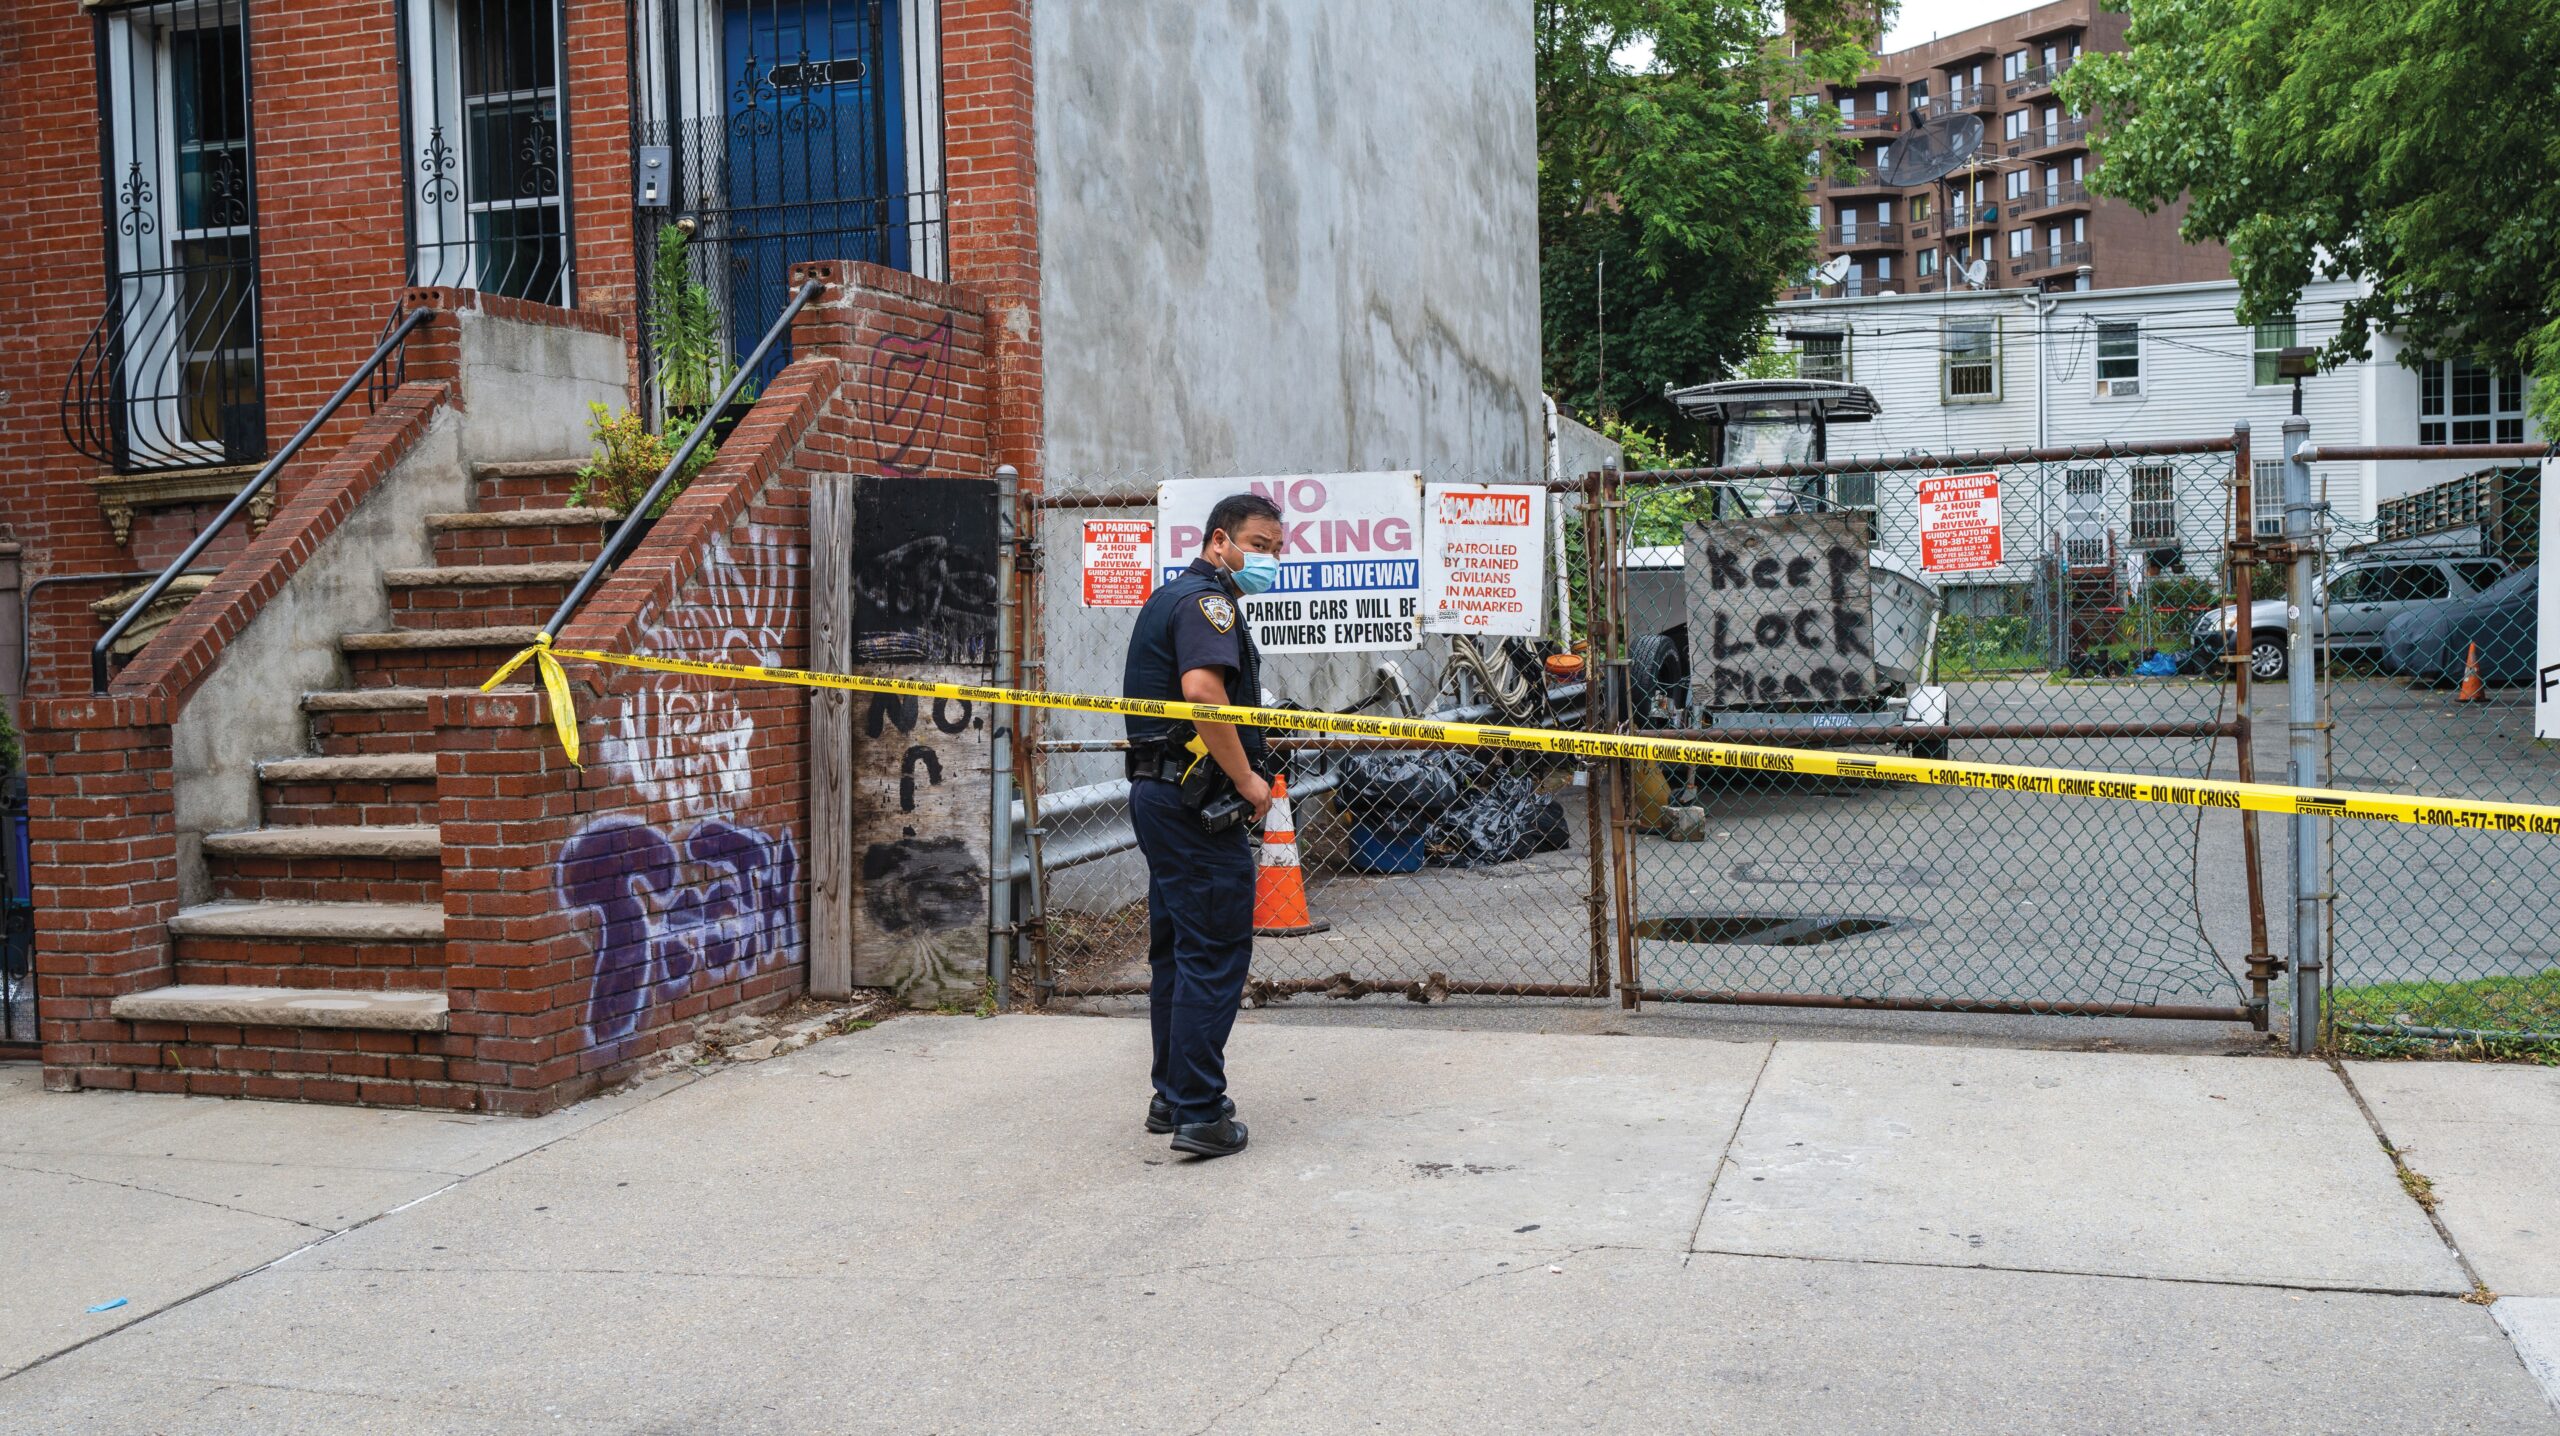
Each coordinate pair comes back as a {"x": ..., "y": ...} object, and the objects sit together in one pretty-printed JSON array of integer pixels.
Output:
[{"x": 1193, "y": 621}]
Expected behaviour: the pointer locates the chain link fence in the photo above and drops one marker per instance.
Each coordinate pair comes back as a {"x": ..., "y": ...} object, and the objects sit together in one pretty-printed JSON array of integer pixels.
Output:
[
  {"x": 1866, "y": 605},
  {"x": 2423, "y": 616},
  {"x": 1427, "y": 872}
]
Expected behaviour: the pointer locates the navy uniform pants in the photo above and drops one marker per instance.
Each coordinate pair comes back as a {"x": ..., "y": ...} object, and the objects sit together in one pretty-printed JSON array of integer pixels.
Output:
[{"x": 1199, "y": 944}]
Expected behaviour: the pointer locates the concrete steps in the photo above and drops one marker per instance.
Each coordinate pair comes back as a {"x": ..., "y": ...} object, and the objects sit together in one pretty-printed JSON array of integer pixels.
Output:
[
  {"x": 432, "y": 657},
  {"x": 478, "y": 595},
  {"x": 330, "y": 914},
  {"x": 537, "y": 535},
  {"x": 357, "y": 722},
  {"x": 369, "y": 946},
  {"x": 374, "y": 789},
  {"x": 328, "y": 863},
  {"x": 524, "y": 484},
  {"x": 251, "y": 1005}
]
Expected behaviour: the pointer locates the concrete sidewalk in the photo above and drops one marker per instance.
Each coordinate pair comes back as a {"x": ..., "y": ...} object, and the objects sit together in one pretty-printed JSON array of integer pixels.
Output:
[{"x": 947, "y": 1224}]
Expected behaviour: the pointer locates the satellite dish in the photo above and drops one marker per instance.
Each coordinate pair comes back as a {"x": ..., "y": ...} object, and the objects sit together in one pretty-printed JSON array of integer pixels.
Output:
[
  {"x": 1932, "y": 149},
  {"x": 1975, "y": 272},
  {"x": 1835, "y": 270}
]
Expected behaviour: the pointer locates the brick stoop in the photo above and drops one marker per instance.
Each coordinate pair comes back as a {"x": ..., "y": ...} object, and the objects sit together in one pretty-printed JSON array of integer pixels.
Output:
[{"x": 319, "y": 970}]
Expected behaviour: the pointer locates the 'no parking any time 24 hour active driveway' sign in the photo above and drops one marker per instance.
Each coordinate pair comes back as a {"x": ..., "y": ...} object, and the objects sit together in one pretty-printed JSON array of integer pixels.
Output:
[
  {"x": 1959, "y": 522},
  {"x": 1350, "y": 557}
]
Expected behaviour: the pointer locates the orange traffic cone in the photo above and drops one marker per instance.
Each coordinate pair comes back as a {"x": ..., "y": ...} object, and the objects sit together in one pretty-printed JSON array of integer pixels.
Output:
[
  {"x": 2473, "y": 690},
  {"x": 1279, "y": 886}
]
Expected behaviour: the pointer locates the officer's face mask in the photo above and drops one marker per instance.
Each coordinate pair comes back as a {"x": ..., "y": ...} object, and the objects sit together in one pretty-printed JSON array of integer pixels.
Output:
[{"x": 1259, "y": 573}]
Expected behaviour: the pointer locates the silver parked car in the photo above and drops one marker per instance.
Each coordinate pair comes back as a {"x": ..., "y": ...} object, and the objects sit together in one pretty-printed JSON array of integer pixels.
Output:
[{"x": 2356, "y": 600}]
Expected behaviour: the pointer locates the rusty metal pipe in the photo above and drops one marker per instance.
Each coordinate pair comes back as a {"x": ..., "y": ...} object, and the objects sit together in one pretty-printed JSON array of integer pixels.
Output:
[
  {"x": 2244, "y": 556},
  {"x": 2355, "y": 453},
  {"x": 2167, "y": 1012}
]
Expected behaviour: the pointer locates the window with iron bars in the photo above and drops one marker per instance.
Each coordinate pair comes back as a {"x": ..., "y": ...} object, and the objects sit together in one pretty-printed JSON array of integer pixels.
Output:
[
  {"x": 2266, "y": 497},
  {"x": 2084, "y": 523},
  {"x": 487, "y": 147},
  {"x": 1969, "y": 361},
  {"x": 1823, "y": 356},
  {"x": 172, "y": 377},
  {"x": 2154, "y": 517}
]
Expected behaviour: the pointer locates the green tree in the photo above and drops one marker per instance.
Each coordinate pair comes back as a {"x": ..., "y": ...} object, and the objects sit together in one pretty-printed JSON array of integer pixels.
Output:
[
  {"x": 1671, "y": 187},
  {"x": 2406, "y": 144}
]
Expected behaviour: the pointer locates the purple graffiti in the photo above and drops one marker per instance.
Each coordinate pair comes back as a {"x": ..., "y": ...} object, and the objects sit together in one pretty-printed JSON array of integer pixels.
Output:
[
  {"x": 722, "y": 898},
  {"x": 909, "y": 381}
]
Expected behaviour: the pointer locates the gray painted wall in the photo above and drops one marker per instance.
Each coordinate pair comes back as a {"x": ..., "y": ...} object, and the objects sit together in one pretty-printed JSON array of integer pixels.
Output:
[{"x": 1288, "y": 236}]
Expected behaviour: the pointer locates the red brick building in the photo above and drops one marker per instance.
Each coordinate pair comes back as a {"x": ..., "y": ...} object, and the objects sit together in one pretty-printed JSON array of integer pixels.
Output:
[
  {"x": 289, "y": 849},
  {"x": 287, "y": 852}
]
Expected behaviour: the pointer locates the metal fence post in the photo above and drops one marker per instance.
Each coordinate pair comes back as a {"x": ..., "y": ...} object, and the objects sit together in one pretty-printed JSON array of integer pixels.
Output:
[
  {"x": 2302, "y": 728},
  {"x": 1000, "y": 748}
]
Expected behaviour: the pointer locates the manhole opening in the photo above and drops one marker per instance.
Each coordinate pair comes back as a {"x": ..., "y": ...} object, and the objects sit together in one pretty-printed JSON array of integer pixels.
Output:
[{"x": 1759, "y": 929}]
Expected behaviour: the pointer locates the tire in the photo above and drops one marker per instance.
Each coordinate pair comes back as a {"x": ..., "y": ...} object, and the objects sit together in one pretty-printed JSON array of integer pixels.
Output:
[
  {"x": 1655, "y": 664},
  {"x": 2269, "y": 659}
]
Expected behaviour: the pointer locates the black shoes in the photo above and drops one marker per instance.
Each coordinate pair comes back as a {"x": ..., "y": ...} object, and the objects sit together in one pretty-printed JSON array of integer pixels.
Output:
[
  {"x": 1222, "y": 1138},
  {"x": 1160, "y": 1114}
]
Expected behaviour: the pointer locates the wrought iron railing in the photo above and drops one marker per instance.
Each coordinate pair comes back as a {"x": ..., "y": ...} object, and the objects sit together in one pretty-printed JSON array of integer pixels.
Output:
[
  {"x": 1874, "y": 232},
  {"x": 105, "y": 646},
  {"x": 784, "y": 131},
  {"x": 170, "y": 377},
  {"x": 485, "y": 134}
]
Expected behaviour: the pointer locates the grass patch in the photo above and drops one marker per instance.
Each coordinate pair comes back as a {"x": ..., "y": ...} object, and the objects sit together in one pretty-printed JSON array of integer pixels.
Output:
[{"x": 2482, "y": 1004}]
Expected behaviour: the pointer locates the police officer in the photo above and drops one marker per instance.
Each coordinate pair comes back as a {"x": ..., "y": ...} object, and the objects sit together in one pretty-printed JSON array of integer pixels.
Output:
[{"x": 1191, "y": 643}]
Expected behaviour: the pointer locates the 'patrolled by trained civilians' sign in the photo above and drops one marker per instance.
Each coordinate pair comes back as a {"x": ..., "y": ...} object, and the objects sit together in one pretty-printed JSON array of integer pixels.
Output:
[
  {"x": 1780, "y": 610},
  {"x": 1350, "y": 557},
  {"x": 1484, "y": 559}
]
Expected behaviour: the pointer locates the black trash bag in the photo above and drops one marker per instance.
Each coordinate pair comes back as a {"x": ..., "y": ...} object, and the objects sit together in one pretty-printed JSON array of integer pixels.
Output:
[
  {"x": 1506, "y": 821},
  {"x": 1399, "y": 795}
]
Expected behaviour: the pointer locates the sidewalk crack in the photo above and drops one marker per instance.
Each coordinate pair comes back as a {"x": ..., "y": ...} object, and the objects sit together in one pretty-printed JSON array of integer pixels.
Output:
[
  {"x": 173, "y": 1196},
  {"x": 1724, "y": 1159},
  {"x": 2420, "y": 1188}
]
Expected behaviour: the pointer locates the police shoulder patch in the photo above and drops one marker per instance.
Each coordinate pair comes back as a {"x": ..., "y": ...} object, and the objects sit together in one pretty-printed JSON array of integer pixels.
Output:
[{"x": 1220, "y": 613}]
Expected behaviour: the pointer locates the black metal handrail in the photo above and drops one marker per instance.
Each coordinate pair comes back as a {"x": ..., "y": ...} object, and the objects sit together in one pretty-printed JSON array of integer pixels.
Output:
[
  {"x": 627, "y": 533},
  {"x": 266, "y": 474}
]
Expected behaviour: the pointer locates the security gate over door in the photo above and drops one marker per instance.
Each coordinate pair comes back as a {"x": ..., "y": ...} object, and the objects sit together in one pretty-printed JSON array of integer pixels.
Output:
[{"x": 794, "y": 130}]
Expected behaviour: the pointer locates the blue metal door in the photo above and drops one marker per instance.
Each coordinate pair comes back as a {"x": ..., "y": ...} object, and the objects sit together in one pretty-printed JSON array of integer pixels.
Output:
[{"x": 816, "y": 140}]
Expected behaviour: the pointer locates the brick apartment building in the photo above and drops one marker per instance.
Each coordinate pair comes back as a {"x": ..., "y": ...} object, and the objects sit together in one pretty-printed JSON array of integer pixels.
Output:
[
  {"x": 2023, "y": 208},
  {"x": 289, "y": 850}
]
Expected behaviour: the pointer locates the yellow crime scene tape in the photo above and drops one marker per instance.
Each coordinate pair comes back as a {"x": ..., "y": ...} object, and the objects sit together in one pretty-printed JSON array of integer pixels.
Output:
[{"x": 1987, "y": 777}]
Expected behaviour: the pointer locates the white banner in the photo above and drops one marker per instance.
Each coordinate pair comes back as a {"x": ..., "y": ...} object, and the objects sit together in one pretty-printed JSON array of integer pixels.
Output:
[
  {"x": 1484, "y": 559},
  {"x": 1350, "y": 557},
  {"x": 2546, "y": 651}
]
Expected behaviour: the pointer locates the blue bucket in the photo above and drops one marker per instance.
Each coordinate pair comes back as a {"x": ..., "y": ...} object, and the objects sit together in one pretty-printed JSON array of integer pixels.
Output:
[{"x": 1376, "y": 852}]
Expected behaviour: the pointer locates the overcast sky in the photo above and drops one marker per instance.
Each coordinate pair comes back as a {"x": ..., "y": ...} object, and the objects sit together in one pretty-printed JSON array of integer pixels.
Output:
[{"x": 1919, "y": 21}]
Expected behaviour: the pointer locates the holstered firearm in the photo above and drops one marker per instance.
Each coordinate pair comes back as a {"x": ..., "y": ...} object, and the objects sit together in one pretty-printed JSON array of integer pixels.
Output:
[{"x": 1208, "y": 791}]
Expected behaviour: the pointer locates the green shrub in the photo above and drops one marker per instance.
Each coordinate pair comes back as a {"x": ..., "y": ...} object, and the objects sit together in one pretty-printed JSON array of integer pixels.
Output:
[
  {"x": 629, "y": 458},
  {"x": 684, "y": 328}
]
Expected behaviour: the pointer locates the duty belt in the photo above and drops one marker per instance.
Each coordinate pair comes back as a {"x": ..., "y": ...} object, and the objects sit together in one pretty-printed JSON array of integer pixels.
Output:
[{"x": 1163, "y": 764}]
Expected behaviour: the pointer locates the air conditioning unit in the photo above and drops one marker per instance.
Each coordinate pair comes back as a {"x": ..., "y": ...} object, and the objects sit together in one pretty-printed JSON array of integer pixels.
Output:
[{"x": 2119, "y": 388}]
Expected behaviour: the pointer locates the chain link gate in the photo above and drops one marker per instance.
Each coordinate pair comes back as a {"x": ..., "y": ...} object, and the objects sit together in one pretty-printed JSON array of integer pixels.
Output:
[
  {"x": 2423, "y": 617},
  {"x": 1789, "y": 604},
  {"x": 1392, "y": 837}
]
